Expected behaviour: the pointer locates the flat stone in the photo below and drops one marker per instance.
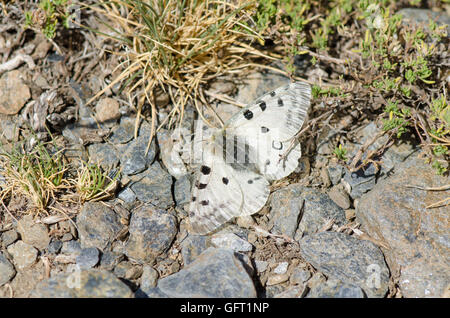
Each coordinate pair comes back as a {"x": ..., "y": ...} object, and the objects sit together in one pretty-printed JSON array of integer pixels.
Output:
[
  {"x": 193, "y": 246},
  {"x": 231, "y": 241},
  {"x": 9, "y": 237},
  {"x": 88, "y": 258},
  {"x": 291, "y": 292},
  {"x": 151, "y": 233},
  {"x": 340, "y": 197},
  {"x": 182, "y": 190},
  {"x": 107, "y": 110},
  {"x": 299, "y": 275},
  {"x": 423, "y": 16},
  {"x": 334, "y": 288},
  {"x": 127, "y": 195},
  {"x": 24, "y": 255},
  {"x": 134, "y": 160},
  {"x": 13, "y": 92},
  {"x": 32, "y": 233},
  {"x": 104, "y": 155},
  {"x": 281, "y": 268},
  {"x": 335, "y": 172},
  {"x": 98, "y": 225},
  {"x": 215, "y": 273},
  {"x": 124, "y": 132},
  {"x": 71, "y": 247},
  {"x": 417, "y": 236},
  {"x": 361, "y": 181},
  {"x": 54, "y": 247},
  {"x": 154, "y": 186},
  {"x": 7, "y": 270},
  {"x": 82, "y": 284},
  {"x": 348, "y": 259},
  {"x": 109, "y": 260},
  {"x": 149, "y": 278},
  {"x": 261, "y": 266},
  {"x": 127, "y": 270}
]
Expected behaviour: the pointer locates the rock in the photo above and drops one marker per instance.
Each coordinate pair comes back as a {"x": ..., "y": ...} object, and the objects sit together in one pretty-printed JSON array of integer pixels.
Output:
[
  {"x": 33, "y": 233},
  {"x": 154, "y": 186},
  {"x": 9, "y": 128},
  {"x": 182, "y": 190},
  {"x": 231, "y": 241},
  {"x": 361, "y": 181},
  {"x": 418, "y": 238},
  {"x": 124, "y": 132},
  {"x": 261, "y": 266},
  {"x": 299, "y": 275},
  {"x": 291, "y": 292},
  {"x": 107, "y": 110},
  {"x": 109, "y": 260},
  {"x": 335, "y": 172},
  {"x": 54, "y": 247},
  {"x": 151, "y": 293},
  {"x": 88, "y": 258},
  {"x": 105, "y": 155},
  {"x": 149, "y": 278},
  {"x": 71, "y": 247},
  {"x": 281, "y": 268},
  {"x": 340, "y": 197},
  {"x": 13, "y": 92},
  {"x": 352, "y": 261},
  {"x": 9, "y": 237},
  {"x": 23, "y": 254},
  {"x": 192, "y": 247},
  {"x": 334, "y": 288},
  {"x": 7, "y": 270},
  {"x": 127, "y": 195},
  {"x": 82, "y": 284},
  {"x": 215, "y": 273},
  {"x": 127, "y": 270},
  {"x": 151, "y": 233},
  {"x": 318, "y": 209},
  {"x": 98, "y": 225},
  {"x": 24, "y": 281},
  {"x": 277, "y": 279},
  {"x": 134, "y": 159},
  {"x": 423, "y": 16},
  {"x": 286, "y": 206}
]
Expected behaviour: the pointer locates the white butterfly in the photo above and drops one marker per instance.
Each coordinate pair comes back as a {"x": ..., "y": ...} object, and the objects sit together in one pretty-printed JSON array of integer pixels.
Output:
[{"x": 239, "y": 160}]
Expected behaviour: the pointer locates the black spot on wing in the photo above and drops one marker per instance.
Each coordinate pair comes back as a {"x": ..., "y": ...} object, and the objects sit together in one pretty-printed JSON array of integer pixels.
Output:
[
  {"x": 205, "y": 170},
  {"x": 225, "y": 180},
  {"x": 263, "y": 106},
  {"x": 272, "y": 93},
  {"x": 250, "y": 181},
  {"x": 204, "y": 202},
  {"x": 280, "y": 102},
  {"x": 264, "y": 129},
  {"x": 200, "y": 185},
  {"x": 193, "y": 199},
  {"x": 248, "y": 114}
]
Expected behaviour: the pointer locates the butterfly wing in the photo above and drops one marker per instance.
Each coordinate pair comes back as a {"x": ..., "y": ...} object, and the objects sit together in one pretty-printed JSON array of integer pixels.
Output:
[
  {"x": 268, "y": 126},
  {"x": 221, "y": 192}
]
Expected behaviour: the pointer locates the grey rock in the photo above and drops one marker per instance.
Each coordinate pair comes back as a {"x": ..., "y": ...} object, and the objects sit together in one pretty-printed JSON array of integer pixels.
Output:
[
  {"x": 82, "y": 284},
  {"x": 423, "y": 16},
  {"x": 88, "y": 258},
  {"x": 417, "y": 237},
  {"x": 32, "y": 233},
  {"x": 274, "y": 290},
  {"x": 261, "y": 266},
  {"x": 352, "y": 261},
  {"x": 361, "y": 181},
  {"x": 154, "y": 186},
  {"x": 281, "y": 268},
  {"x": 299, "y": 275},
  {"x": 291, "y": 292},
  {"x": 127, "y": 195},
  {"x": 335, "y": 172},
  {"x": 182, "y": 190},
  {"x": 334, "y": 288},
  {"x": 71, "y": 247},
  {"x": 151, "y": 232},
  {"x": 215, "y": 273},
  {"x": 24, "y": 255},
  {"x": 104, "y": 154},
  {"x": 109, "y": 260},
  {"x": 154, "y": 292},
  {"x": 192, "y": 247},
  {"x": 127, "y": 270},
  {"x": 54, "y": 247},
  {"x": 9, "y": 129},
  {"x": 340, "y": 197},
  {"x": 231, "y": 241},
  {"x": 9, "y": 237},
  {"x": 124, "y": 132},
  {"x": 149, "y": 278},
  {"x": 134, "y": 159},
  {"x": 7, "y": 270},
  {"x": 318, "y": 209},
  {"x": 98, "y": 225},
  {"x": 286, "y": 206}
]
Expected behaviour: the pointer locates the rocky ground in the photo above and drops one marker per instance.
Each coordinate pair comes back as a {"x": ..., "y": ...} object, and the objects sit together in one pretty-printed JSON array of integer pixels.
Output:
[{"x": 335, "y": 233}]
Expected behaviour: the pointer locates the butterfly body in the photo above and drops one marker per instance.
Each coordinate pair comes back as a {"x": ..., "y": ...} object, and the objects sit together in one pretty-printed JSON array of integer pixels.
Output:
[{"x": 239, "y": 160}]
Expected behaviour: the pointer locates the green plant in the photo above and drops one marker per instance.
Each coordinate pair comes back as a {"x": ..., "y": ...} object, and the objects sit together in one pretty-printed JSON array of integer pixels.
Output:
[
  {"x": 340, "y": 153},
  {"x": 94, "y": 184},
  {"x": 47, "y": 17}
]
